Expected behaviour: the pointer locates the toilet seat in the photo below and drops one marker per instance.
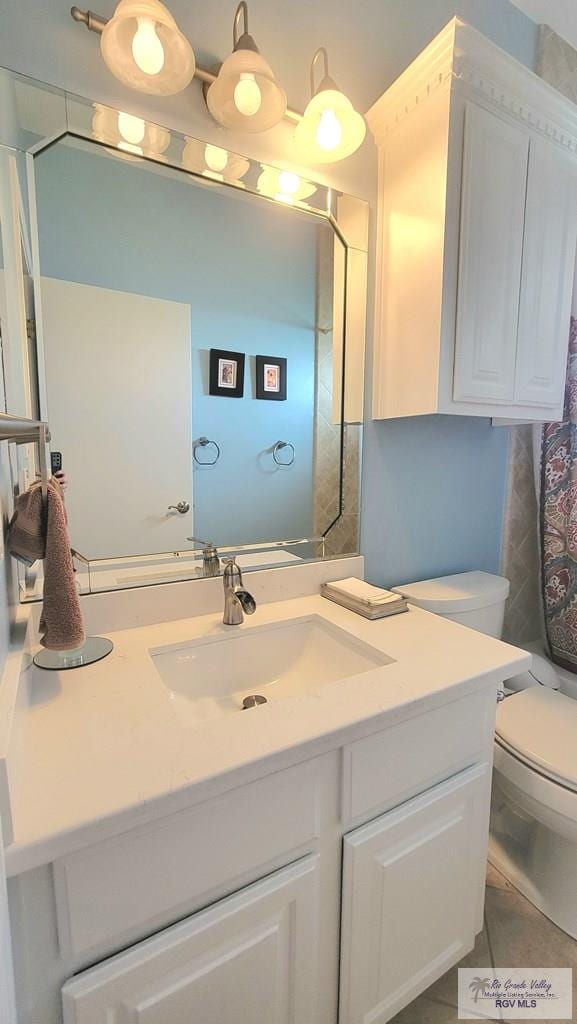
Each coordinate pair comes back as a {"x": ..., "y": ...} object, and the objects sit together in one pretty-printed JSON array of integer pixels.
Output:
[{"x": 538, "y": 726}]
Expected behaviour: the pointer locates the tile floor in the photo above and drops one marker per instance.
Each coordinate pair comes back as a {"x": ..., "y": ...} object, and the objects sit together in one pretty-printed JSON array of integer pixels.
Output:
[{"x": 515, "y": 935}]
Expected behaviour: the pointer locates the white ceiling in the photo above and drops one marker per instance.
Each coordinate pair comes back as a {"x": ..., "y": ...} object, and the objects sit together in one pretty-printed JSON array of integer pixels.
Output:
[{"x": 561, "y": 15}]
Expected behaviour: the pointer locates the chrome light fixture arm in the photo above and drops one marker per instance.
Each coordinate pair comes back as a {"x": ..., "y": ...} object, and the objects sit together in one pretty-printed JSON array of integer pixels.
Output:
[
  {"x": 94, "y": 22},
  {"x": 245, "y": 38},
  {"x": 326, "y": 81}
]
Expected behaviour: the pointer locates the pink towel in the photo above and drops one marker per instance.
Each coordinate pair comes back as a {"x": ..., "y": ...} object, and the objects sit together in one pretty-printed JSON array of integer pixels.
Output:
[
  {"x": 61, "y": 624},
  {"x": 27, "y": 529},
  {"x": 43, "y": 531},
  {"x": 36, "y": 532}
]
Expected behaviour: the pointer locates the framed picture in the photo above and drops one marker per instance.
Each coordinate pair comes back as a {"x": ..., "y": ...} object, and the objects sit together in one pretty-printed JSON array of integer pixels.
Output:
[
  {"x": 271, "y": 374},
  {"x": 226, "y": 376}
]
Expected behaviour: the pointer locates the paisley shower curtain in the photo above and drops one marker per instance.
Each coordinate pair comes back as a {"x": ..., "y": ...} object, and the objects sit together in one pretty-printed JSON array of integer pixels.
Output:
[{"x": 559, "y": 522}]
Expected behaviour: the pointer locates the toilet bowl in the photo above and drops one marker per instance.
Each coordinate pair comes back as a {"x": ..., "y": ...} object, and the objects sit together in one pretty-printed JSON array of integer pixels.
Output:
[{"x": 533, "y": 833}]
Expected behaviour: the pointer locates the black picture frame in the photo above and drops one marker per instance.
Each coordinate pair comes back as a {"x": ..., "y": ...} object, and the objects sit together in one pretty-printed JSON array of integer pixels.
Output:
[
  {"x": 265, "y": 377},
  {"x": 226, "y": 376}
]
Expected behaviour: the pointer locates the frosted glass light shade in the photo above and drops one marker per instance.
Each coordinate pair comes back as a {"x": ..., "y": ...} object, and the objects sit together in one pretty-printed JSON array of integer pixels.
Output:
[
  {"x": 213, "y": 161},
  {"x": 284, "y": 186},
  {"x": 330, "y": 130},
  {"x": 144, "y": 48},
  {"x": 246, "y": 95},
  {"x": 128, "y": 132}
]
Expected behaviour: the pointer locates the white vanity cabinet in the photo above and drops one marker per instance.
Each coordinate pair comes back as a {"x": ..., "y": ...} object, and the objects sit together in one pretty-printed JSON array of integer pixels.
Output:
[
  {"x": 417, "y": 865},
  {"x": 255, "y": 949},
  {"x": 477, "y": 235},
  {"x": 366, "y": 861}
]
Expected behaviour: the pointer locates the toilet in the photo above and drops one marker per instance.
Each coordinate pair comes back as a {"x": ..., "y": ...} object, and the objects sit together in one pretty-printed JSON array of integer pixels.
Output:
[{"x": 533, "y": 839}]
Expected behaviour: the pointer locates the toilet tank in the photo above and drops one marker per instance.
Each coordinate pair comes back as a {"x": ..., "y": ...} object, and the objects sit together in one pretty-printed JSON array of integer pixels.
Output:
[{"x": 475, "y": 599}]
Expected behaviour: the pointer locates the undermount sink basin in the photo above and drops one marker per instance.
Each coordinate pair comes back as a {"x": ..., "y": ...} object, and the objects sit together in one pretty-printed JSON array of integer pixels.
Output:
[{"x": 273, "y": 661}]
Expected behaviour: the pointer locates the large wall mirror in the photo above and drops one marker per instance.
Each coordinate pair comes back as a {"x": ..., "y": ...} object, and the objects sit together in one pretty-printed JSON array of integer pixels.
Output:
[{"x": 200, "y": 344}]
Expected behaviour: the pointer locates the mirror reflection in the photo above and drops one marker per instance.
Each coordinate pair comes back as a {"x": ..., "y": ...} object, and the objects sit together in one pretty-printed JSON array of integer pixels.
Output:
[{"x": 191, "y": 362}]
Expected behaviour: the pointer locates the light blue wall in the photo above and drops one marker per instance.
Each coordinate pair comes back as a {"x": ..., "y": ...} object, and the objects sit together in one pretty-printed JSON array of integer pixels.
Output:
[
  {"x": 247, "y": 269},
  {"x": 433, "y": 497}
]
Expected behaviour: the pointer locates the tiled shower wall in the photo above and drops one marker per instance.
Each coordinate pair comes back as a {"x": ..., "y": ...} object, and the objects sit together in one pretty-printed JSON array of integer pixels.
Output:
[
  {"x": 557, "y": 64},
  {"x": 520, "y": 557},
  {"x": 343, "y": 537}
]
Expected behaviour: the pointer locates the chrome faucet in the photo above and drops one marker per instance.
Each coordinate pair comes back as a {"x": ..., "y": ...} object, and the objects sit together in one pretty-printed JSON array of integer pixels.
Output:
[
  {"x": 210, "y": 559},
  {"x": 237, "y": 600}
]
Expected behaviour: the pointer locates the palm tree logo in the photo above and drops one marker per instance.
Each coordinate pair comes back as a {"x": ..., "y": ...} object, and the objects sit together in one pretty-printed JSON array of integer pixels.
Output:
[{"x": 479, "y": 986}]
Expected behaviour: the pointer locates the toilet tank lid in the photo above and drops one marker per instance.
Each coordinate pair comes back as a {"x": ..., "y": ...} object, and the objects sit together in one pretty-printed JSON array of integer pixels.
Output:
[{"x": 462, "y": 592}]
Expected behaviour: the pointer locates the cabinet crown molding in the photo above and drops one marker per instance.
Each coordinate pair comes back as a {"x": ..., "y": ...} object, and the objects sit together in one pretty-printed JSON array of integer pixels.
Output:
[{"x": 460, "y": 58}]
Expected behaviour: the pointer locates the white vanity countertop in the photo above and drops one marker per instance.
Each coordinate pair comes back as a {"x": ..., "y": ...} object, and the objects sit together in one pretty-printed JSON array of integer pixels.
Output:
[{"x": 101, "y": 749}]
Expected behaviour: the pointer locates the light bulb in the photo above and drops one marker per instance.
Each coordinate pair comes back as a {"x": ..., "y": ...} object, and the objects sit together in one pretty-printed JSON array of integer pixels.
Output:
[
  {"x": 289, "y": 185},
  {"x": 289, "y": 182},
  {"x": 329, "y": 131},
  {"x": 127, "y": 147},
  {"x": 247, "y": 95},
  {"x": 131, "y": 128},
  {"x": 147, "y": 49},
  {"x": 215, "y": 157}
]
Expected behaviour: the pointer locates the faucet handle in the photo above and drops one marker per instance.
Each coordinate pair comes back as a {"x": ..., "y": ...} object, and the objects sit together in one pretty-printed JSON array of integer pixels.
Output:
[{"x": 232, "y": 576}]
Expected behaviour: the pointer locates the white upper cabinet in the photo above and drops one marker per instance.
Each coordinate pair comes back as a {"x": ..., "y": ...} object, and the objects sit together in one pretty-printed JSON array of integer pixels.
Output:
[
  {"x": 495, "y": 159},
  {"x": 476, "y": 237},
  {"x": 547, "y": 282}
]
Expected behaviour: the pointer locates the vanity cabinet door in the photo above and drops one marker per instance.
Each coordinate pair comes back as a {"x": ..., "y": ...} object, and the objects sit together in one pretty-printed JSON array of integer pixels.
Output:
[
  {"x": 248, "y": 958},
  {"x": 494, "y": 184},
  {"x": 547, "y": 284},
  {"x": 410, "y": 897}
]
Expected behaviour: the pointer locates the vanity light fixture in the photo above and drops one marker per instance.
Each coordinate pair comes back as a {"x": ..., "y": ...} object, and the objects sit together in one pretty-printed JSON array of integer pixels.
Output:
[
  {"x": 331, "y": 128},
  {"x": 144, "y": 48},
  {"x": 129, "y": 133},
  {"x": 245, "y": 95},
  {"x": 213, "y": 161},
  {"x": 284, "y": 186}
]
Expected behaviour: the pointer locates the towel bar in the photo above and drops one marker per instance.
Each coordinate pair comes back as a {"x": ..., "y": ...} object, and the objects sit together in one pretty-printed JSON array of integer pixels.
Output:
[
  {"x": 279, "y": 447},
  {"x": 203, "y": 442},
  {"x": 19, "y": 430}
]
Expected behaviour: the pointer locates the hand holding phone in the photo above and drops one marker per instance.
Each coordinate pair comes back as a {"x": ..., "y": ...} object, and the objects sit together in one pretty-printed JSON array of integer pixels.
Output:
[{"x": 57, "y": 471}]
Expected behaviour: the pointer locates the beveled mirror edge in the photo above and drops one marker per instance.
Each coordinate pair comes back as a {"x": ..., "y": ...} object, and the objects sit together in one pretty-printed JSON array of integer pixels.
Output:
[{"x": 63, "y": 113}]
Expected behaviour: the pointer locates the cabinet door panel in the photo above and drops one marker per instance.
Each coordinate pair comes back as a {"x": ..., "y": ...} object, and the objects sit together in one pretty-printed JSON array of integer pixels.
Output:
[
  {"x": 250, "y": 957},
  {"x": 547, "y": 281},
  {"x": 410, "y": 897},
  {"x": 494, "y": 185}
]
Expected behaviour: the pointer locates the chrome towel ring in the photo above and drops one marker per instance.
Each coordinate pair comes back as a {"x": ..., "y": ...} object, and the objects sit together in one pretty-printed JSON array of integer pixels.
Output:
[
  {"x": 278, "y": 447},
  {"x": 204, "y": 442}
]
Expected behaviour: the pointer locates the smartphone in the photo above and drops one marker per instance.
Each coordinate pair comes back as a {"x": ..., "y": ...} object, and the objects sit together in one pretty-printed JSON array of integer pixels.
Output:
[{"x": 55, "y": 462}]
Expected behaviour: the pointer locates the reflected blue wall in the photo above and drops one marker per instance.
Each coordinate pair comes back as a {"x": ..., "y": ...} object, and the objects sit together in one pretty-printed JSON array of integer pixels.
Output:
[{"x": 247, "y": 269}]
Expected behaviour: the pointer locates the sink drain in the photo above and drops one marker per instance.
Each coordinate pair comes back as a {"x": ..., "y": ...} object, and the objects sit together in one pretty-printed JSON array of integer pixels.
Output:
[{"x": 252, "y": 701}]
